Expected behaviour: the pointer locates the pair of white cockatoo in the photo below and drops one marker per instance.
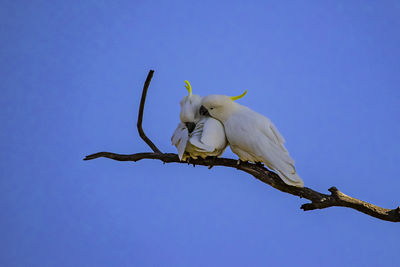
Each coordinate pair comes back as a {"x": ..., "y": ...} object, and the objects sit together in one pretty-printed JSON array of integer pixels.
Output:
[{"x": 210, "y": 123}]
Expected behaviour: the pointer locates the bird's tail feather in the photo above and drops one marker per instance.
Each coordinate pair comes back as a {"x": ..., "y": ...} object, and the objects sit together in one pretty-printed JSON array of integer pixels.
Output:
[{"x": 291, "y": 179}]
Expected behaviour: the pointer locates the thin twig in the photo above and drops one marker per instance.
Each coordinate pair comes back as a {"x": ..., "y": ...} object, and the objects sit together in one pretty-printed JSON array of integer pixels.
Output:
[{"x": 140, "y": 116}]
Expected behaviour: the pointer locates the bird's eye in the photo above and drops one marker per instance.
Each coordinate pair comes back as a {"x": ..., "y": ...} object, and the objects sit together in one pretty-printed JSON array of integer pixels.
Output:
[{"x": 211, "y": 108}]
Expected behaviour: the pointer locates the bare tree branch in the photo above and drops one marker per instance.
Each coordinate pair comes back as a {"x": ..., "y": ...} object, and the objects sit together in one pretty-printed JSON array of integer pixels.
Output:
[
  {"x": 318, "y": 200},
  {"x": 140, "y": 116}
]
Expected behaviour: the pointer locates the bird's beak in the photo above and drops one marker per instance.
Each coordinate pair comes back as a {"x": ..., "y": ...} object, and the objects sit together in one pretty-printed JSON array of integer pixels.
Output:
[
  {"x": 203, "y": 111},
  {"x": 190, "y": 126}
]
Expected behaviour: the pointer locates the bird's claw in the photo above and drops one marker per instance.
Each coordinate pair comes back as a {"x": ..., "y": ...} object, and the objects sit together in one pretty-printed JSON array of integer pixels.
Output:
[{"x": 259, "y": 164}]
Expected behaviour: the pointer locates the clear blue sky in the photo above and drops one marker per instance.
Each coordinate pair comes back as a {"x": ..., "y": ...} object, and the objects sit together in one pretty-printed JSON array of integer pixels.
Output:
[{"x": 327, "y": 74}]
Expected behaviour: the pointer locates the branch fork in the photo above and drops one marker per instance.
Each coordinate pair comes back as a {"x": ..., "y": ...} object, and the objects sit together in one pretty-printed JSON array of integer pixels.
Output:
[{"x": 258, "y": 171}]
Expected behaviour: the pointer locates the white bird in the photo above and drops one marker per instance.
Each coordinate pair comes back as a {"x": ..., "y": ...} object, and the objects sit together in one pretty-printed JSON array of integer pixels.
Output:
[
  {"x": 197, "y": 135},
  {"x": 252, "y": 136}
]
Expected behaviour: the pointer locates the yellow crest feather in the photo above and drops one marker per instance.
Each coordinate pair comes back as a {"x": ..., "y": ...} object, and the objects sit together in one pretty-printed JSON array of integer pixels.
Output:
[
  {"x": 239, "y": 96},
  {"x": 188, "y": 87}
]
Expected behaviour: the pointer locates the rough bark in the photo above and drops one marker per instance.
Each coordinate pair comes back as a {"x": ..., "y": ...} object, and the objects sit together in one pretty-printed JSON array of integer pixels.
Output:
[{"x": 318, "y": 200}]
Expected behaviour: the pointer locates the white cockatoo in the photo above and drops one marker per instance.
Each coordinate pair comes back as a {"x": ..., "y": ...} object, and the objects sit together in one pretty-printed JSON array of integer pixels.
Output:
[
  {"x": 197, "y": 135},
  {"x": 252, "y": 136}
]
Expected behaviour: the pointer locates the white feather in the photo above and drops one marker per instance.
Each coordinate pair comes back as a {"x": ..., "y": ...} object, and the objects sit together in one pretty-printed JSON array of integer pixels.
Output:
[{"x": 180, "y": 138}]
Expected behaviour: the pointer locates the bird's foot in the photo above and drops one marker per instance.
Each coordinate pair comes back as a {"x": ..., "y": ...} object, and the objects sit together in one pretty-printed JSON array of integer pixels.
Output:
[
  {"x": 259, "y": 164},
  {"x": 188, "y": 161}
]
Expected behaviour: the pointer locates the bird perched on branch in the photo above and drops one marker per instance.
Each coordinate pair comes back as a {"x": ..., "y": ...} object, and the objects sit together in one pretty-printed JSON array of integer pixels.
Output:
[
  {"x": 197, "y": 135},
  {"x": 252, "y": 136}
]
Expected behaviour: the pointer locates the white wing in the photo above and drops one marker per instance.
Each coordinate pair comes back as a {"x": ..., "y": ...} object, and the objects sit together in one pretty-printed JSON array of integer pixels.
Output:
[
  {"x": 180, "y": 138},
  {"x": 195, "y": 139},
  {"x": 208, "y": 138},
  {"x": 209, "y": 135},
  {"x": 277, "y": 158},
  {"x": 254, "y": 136},
  {"x": 213, "y": 134}
]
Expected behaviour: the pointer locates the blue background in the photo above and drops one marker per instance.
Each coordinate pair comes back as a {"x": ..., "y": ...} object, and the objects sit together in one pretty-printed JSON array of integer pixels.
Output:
[{"x": 326, "y": 73}]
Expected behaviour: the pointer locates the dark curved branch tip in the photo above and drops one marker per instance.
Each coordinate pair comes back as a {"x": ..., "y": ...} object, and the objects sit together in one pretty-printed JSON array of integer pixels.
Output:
[
  {"x": 140, "y": 116},
  {"x": 318, "y": 200},
  {"x": 92, "y": 156}
]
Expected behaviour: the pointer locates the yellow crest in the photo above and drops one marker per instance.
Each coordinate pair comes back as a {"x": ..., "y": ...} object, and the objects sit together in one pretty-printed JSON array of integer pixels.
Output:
[
  {"x": 239, "y": 96},
  {"x": 188, "y": 87}
]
